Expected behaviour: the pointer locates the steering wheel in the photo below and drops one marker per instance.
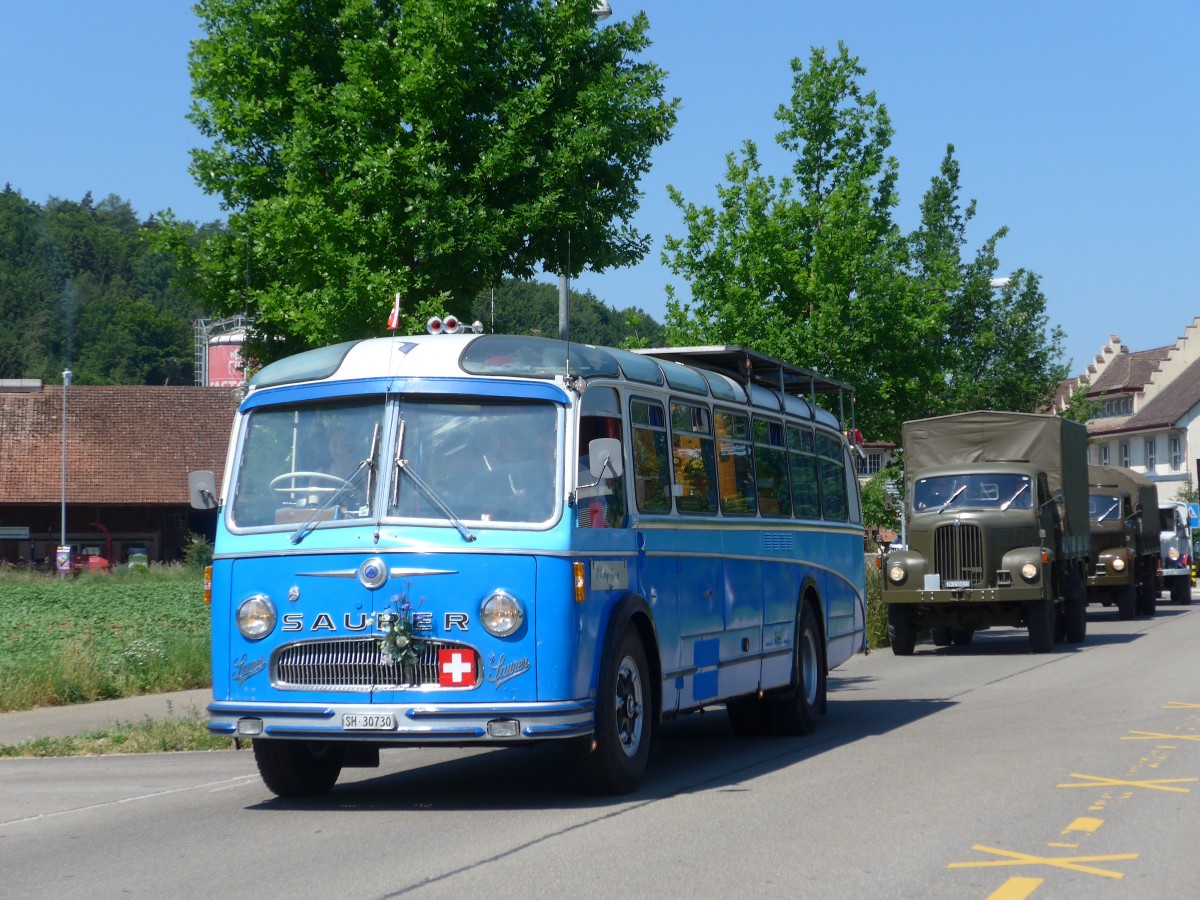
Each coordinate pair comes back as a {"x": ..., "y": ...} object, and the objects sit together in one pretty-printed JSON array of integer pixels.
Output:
[{"x": 337, "y": 482}]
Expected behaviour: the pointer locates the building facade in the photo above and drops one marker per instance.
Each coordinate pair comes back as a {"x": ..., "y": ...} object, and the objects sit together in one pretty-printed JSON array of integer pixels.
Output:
[{"x": 124, "y": 488}]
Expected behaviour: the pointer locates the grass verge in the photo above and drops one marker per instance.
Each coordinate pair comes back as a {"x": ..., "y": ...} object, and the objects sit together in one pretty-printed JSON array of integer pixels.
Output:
[{"x": 187, "y": 732}]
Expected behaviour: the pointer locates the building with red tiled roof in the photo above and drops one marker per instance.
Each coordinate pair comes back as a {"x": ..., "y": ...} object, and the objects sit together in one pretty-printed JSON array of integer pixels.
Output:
[
  {"x": 129, "y": 450},
  {"x": 1147, "y": 409}
]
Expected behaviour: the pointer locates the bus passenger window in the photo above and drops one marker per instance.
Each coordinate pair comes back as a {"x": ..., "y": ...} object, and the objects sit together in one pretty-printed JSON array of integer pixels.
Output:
[
  {"x": 651, "y": 462},
  {"x": 802, "y": 460},
  {"x": 694, "y": 458},
  {"x": 735, "y": 474},
  {"x": 835, "y": 503},
  {"x": 771, "y": 469}
]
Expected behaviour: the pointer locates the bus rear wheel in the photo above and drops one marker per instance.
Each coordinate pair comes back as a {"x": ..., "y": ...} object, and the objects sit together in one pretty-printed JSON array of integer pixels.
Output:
[
  {"x": 298, "y": 768},
  {"x": 795, "y": 711},
  {"x": 624, "y": 714}
]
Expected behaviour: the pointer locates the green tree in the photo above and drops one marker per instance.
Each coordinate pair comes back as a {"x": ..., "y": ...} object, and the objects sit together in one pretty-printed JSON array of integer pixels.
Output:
[
  {"x": 805, "y": 267},
  {"x": 369, "y": 147},
  {"x": 985, "y": 342}
]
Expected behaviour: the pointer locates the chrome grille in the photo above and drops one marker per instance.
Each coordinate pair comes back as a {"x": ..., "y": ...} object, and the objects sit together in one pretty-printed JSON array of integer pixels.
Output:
[
  {"x": 958, "y": 553},
  {"x": 357, "y": 664}
]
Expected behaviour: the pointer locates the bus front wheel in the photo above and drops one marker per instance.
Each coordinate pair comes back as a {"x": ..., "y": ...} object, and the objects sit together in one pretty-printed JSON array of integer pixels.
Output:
[
  {"x": 624, "y": 714},
  {"x": 298, "y": 768},
  {"x": 795, "y": 712}
]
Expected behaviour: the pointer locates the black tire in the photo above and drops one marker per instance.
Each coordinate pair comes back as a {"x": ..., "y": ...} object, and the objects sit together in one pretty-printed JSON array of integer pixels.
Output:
[
  {"x": 1181, "y": 592},
  {"x": 624, "y": 719},
  {"x": 1126, "y": 602},
  {"x": 902, "y": 629},
  {"x": 1075, "y": 619},
  {"x": 940, "y": 636},
  {"x": 298, "y": 768},
  {"x": 962, "y": 637},
  {"x": 1041, "y": 615},
  {"x": 1147, "y": 601},
  {"x": 796, "y": 710},
  {"x": 749, "y": 716}
]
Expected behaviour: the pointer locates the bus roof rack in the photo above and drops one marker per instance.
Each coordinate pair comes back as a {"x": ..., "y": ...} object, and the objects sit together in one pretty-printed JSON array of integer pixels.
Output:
[{"x": 751, "y": 367}]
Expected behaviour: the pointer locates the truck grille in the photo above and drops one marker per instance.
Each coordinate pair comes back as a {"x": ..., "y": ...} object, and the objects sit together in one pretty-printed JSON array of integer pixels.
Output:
[
  {"x": 357, "y": 664},
  {"x": 958, "y": 553}
]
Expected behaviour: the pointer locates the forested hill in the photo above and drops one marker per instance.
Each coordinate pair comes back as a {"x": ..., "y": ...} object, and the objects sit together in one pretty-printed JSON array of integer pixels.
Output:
[{"x": 83, "y": 287}]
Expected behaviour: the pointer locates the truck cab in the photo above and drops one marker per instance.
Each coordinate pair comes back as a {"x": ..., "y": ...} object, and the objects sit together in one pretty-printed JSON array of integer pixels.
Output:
[{"x": 1175, "y": 547}]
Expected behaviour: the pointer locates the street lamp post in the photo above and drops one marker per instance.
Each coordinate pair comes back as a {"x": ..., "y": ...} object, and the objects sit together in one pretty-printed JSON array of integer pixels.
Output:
[
  {"x": 601, "y": 10},
  {"x": 66, "y": 375}
]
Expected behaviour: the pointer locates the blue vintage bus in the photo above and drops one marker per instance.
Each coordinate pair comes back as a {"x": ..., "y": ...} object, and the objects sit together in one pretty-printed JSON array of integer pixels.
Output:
[{"x": 463, "y": 538}]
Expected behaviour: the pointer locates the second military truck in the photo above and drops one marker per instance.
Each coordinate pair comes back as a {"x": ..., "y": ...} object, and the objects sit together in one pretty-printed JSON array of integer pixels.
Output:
[
  {"x": 1123, "y": 509},
  {"x": 996, "y": 508}
]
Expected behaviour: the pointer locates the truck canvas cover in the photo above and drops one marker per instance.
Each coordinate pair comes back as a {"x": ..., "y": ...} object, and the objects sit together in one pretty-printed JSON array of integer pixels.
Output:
[{"x": 1055, "y": 445}]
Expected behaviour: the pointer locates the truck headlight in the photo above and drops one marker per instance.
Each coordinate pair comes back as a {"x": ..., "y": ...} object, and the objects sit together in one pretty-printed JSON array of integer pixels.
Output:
[
  {"x": 501, "y": 613},
  {"x": 1173, "y": 553},
  {"x": 896, "y": 573},
  {"x": 1030, "y": 572},
  {"x": 1118, "y": 564},
  {"x": 256, "y": 617}
]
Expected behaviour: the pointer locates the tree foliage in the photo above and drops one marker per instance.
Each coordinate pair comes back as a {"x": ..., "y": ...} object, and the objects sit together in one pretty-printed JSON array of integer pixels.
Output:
[
  {"x": 811, "y": 267},
  {"x": 369, "y": 147},
  {"x": 81, "y": 286}
]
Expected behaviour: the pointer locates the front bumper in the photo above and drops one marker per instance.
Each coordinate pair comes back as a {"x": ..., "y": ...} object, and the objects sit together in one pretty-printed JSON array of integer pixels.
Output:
[
  {"x": 417, "y": 723},
  {"x": 964, "y": 597}
]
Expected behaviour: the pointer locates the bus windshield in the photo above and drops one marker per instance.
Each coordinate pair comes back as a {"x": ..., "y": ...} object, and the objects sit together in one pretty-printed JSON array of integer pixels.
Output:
[
  {"x": 485, "y": 461},
  {"x": 306, "y": 460}
]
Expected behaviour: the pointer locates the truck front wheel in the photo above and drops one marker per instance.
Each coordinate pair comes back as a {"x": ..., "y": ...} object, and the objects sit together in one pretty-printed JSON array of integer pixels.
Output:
[
  {"x": 1181, "y": 591},
  {"x": 1041, "y": 616},
  {"x": 1126, "y": 602},
  {"x": 902, "y": 629}
]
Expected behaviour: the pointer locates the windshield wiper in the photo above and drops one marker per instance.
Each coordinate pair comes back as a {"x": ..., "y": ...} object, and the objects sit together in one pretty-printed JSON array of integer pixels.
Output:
[
  {"x": 1013, "y": 499},
  {"x": 405, "y": 467},
  {"x": 302, "y": 532},
  {"x": 952, "y": 498},
  {"x": 1104, "y": 515},
  {"x": 367, "y": 465}
]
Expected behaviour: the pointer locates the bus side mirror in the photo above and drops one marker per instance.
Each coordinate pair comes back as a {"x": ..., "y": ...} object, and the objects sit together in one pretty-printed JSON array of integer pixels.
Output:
[
  {"x": 202, "y": 487},
  {"x": 605, "y": 453}
]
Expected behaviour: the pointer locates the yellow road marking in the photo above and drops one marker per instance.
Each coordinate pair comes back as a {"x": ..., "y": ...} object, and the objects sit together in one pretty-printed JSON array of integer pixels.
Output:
[
  {"x": 1084, "y": 823},
  {"x": 1179, "y": 704},
  {"x": 1016, "y": 889},
  {"x": 1029, "y": 859},
  {"x": 1159, "y": 736},
  {"x": 1160, "y": 784}
]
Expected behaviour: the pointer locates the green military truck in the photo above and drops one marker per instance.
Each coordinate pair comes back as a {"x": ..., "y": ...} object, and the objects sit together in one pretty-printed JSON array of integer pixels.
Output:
[
  {"x": 996, "y": 520},
  {"x": 1123, "y": 511}
]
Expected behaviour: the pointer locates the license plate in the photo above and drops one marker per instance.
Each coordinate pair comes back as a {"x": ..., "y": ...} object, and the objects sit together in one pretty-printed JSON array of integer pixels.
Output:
[
  {"x": 957, "y": 585},
  {"x": 368, "y": 722}
]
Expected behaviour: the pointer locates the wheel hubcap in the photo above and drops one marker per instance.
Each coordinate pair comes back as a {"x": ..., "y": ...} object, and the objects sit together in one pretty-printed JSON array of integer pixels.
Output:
[{"x": 629, "y": 706}]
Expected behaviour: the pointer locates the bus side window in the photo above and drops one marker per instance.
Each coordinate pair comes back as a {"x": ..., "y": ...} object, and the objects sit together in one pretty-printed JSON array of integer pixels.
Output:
[
  {"x": 694, "y": 458},
  {"x": 651, "y": 462},
  {"x": 602, "y": 504},
  {"x": 735, "y": 472},
  {"x": 835, "y": 503},
  {"x": 806, "y": 496},
  {"x": 771, "y": 469}
]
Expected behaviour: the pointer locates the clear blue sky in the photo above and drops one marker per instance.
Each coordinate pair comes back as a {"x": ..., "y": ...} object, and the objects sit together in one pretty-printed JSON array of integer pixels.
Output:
[{"x": 1077, "y": 125}]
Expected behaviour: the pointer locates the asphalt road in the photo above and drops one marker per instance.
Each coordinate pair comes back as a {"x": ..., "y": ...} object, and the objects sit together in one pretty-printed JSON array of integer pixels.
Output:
[{"x": 959, "y": 772}]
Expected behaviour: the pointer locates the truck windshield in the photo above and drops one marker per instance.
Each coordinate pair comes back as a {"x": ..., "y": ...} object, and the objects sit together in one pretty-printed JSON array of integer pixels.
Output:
[
  {"x": 976, "y": 491},
  {"x": 1103, "y": 507},
  {"x": 485, "y": 461},
  {"x": 295, "y": 458}
]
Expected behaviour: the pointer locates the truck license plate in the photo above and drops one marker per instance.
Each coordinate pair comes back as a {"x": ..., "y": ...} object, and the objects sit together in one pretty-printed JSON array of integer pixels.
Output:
[
  {"x": 957, "y": 585},
  {"x": 368, "y": 722}
]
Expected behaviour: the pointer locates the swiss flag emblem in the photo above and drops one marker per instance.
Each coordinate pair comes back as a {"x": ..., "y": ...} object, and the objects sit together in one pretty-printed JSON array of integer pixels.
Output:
[{"x": 456, "y": 668}]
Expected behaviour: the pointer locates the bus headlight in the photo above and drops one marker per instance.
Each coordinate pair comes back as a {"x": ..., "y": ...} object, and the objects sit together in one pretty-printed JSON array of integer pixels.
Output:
[
  {"x": 1030, "y": 572},
  {"x": 501, "y": 613},
  {"x": 256, "y": 617},
  {"x": 897, "y": 573},
  {"x": 1118, "y": 564}
]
